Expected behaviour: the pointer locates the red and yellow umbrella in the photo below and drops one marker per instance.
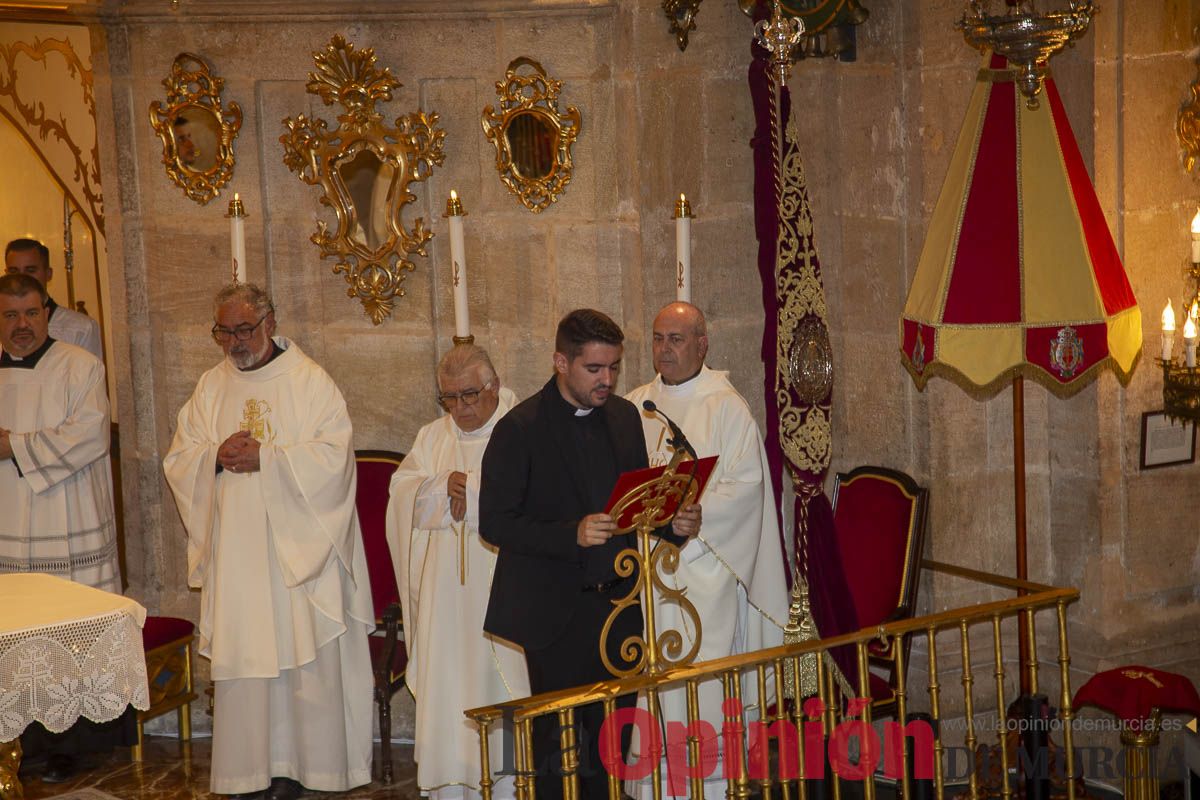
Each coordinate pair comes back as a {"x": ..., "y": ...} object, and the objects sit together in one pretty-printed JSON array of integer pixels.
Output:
[{"x": 1019, "y": 274}]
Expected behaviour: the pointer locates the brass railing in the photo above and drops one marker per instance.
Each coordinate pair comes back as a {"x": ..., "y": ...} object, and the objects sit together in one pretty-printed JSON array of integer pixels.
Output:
[{"x": 769, "y": 668}]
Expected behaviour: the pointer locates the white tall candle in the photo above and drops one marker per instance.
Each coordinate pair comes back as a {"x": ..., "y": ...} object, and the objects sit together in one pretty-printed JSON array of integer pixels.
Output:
[
  {"x": 237, "y": 238},
  {"x": 1168, "y": 331},
  {"x": 683, "y": 250},
  {"x": 458, "y": 266},
  {"x": 1189, "y": 342},
  {"x": 1196, "y": 238}
]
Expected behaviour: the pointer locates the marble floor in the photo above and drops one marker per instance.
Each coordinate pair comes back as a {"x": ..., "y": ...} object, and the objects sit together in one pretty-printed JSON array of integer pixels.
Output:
[{"x": 173, "y": 770}]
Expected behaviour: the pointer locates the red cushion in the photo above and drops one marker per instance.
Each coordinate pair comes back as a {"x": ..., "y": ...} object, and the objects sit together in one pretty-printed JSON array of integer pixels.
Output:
[
  {"x": 873, "y": 519},
  {"x": 880, "y": 688},
  {"x": 374, "y": 481},
  {"x": 1130, "y": 692},
  {"x": 160, "y": 630}
]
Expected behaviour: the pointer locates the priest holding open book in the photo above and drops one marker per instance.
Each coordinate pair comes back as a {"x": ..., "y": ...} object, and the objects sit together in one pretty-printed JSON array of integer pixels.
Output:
[{"x": 548, "y": 472}]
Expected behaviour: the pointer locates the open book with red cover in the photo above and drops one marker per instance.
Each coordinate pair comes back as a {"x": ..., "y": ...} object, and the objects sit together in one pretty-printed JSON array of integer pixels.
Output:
[{"x": 701, "y": 470}]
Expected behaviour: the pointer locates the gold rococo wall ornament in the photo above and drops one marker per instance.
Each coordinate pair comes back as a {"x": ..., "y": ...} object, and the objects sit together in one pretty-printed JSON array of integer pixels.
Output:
[
  {"x": 365, "y": 169},
  {"x": 1187, "y": 124},
  {"x": 196, "y": 132},
  {"x": 532, "y": 137}
]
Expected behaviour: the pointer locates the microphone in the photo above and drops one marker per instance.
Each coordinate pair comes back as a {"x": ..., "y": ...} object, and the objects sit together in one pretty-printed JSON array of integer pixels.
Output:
[{"x": 677, "y": 438}]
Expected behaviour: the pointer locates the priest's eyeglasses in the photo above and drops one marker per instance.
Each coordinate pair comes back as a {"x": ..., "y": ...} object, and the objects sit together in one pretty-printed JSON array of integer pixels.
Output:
[
  {"x": 468, "y": 398},
  {"x": 242, "y": 332}
]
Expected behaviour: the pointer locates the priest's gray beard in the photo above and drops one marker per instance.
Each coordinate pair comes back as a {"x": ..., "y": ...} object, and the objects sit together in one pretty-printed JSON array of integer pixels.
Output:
[{"x": 244, "y": 358}]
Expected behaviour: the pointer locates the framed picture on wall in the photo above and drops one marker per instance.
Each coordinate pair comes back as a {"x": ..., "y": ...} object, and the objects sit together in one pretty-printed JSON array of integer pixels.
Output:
[{"x": 1166, "y": 441}]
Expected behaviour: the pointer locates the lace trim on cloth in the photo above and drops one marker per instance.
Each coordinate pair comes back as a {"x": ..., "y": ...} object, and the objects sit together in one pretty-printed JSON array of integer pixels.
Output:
[{"x": 57, "y": 674}]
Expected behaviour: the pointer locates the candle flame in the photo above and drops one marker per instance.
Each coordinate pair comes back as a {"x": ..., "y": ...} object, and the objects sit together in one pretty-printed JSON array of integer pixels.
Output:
[
  {"x": 235, "y": 197},
  {"x": 683, "y": 199},
  {"x": 1196, "y": 223},
  {"x": 453, "y": 195},
  {"x": 1168, "y": 317},
  {"x": 1189, "y": 329}
]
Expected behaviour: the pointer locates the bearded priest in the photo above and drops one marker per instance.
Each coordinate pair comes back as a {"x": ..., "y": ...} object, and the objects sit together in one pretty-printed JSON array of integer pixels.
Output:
[
  {"x": 55, "y": 478},
  {"x": 444, "y": 573},
  {"x": 733, "y": 570},
  {"x": 263, "y": 472}
]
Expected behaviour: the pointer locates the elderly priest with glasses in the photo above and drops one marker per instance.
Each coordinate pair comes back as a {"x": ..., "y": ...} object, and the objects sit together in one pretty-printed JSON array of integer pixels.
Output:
[
  {"x": 444, "y": 572},
  {"x": 262, "y": 468}
]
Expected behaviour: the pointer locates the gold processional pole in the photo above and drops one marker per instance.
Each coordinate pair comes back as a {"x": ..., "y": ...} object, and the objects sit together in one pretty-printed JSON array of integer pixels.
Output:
[{"x": 779, "y": 36}]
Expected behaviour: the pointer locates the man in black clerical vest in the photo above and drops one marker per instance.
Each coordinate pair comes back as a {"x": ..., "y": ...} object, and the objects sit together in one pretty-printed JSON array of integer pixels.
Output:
[{"x": 547, "y": 473}]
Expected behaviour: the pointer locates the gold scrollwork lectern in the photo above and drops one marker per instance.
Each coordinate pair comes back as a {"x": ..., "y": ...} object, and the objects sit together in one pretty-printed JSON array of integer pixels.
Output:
[{"x": 653, "y": 504}]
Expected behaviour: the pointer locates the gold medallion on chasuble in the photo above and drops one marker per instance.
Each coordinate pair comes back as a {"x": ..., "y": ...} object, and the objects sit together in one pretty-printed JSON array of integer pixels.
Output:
[{"x": 256, "y": 418}]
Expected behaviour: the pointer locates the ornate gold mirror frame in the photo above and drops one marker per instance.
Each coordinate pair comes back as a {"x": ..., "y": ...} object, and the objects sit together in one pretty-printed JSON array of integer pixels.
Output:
[
  {"x": 532, "y": 137},
  {"x": 197, "y": 134},
  {"x": 1187, "y": 124},
  {"x": 365, "y": 170}
]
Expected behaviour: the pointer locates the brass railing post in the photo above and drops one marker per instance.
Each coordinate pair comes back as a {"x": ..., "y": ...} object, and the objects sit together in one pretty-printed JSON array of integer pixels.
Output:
[
  {"x": 968, "y": 679},
  {"x": 764, "y": 783},
  {"x": 864, "y": 692},
  {"x": 1001, "y": 711},
  {"x": 569, "y": 755},
  {"x": 695, "y": 780},
  {"x": 781, "y": 719},
  {"x": 935, "y": 713},
  {"x": 1141, "y": 771},
  {"x": 902, "y": 717},
  {"x": 523, "y": 754},
  {"x": 485, "y": 761},
  {"x": 614, "y": 746},
  {"x": 1067, "y": 713}
]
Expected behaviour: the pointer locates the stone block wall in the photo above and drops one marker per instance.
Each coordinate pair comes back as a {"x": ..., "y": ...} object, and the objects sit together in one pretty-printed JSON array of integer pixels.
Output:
[{"x": 877, "y": 136}]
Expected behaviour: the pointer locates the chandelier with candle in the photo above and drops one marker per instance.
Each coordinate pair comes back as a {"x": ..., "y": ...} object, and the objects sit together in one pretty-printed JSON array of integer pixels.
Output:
[
  {"x": 1025, "y": 38},
  {"x": 1181, "y": 378}
]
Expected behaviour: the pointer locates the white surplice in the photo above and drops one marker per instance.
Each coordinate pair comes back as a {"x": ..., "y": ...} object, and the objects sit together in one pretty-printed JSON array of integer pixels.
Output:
[
  {"x": 68, "y": 325},
  {"x": 734, "y": 570},
  {"x": 56, "y": 491},
  {"x": 452, "y": 664},
  {"x": 279, "y": 561}
]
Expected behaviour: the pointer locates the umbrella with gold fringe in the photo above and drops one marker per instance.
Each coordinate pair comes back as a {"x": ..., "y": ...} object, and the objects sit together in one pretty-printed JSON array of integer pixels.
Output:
[{"x": 1018, "y": 275}]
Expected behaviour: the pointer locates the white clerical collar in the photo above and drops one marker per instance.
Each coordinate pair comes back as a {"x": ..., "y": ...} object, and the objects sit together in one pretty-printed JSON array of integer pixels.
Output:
[
  {"x": 583, "y": 412},
  {"x": 687, "y": 387}
]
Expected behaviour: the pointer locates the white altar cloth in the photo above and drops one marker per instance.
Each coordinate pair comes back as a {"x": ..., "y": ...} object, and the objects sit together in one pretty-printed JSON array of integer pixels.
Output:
[{"x": 67, "y": 651}]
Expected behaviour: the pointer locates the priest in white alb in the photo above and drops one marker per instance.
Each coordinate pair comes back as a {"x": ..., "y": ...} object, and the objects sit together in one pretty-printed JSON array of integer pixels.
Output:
[
  {"x": 734, "y": 570},
  {"x": 55, "y": 478},
  {"x": 444, "y": 573},
  {"x": 262, "y": 468}
]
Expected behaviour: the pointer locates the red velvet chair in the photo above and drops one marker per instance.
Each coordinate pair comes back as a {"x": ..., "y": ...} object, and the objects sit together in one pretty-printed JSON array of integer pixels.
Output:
[
  {"x": 168, "y": 645},
  {"x": 388, "y": 656},
  {"x": 880, "y": 516}
]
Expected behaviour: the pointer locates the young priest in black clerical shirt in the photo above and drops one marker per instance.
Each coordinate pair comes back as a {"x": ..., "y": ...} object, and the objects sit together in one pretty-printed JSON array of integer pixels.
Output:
[{"x": 547, "y": 473}]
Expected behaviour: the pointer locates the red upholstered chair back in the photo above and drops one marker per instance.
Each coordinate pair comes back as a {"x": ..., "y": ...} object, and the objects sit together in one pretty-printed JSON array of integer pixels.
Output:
[
  {"x": 880, "y": 515},
  {"x": 375, "y": 468},
  {"x": 389, "y": 658}
]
